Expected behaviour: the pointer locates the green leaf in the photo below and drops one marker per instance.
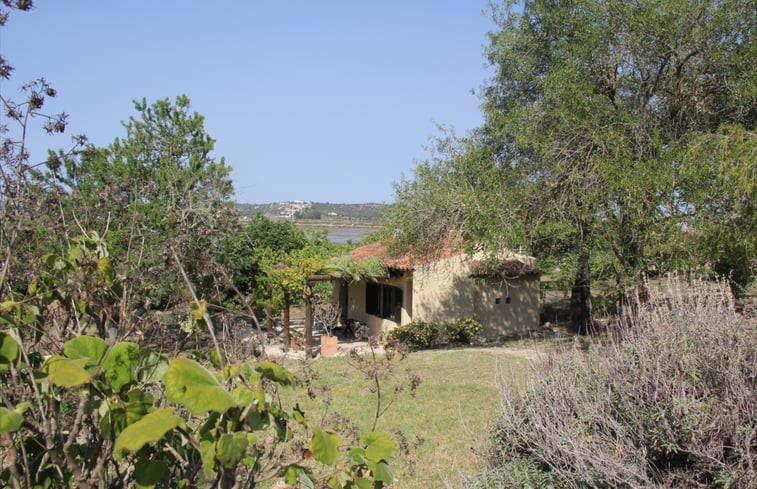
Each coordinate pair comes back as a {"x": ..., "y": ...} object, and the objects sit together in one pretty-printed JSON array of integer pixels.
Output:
[
  {"x": 230, "y": 449},
  {"x": 120, "y": 363},
  {"x": 215, "y": 360},
  {"x": 275, "y": 373},
  {"x": 190, "y": 384},
  {"x": 85, "y": 347},
  {"x": 10, "y": 420},
  {"x": 378, "y": 446},
  {"x": 153, "y": 366},
  {"x": 149, "y": 429},
  {"x": 65, "y": 372},
  {"x": 258, "y": 420},
  {"x": 325, "y": 446},
  {"x": 357, "y": 454},
  {"x": 208, "y": 454},
  {"x": 8, "y": 351},
  {"x": 8, "y": 348},
  {"x": 147, "y": 473},
  {"x": 298, "y": 414},
  {"x": 7, "y": 319},
  {"x": 103, "y": 265},
  {"x": 363, "y": 483},
  {"x": 249, "y": 374},
  {"x": 119, "y": 416},
  {"x": 292, "y": 474},
  {"x": 198, "y": 308},
  {"x": 243, "y": 396},
  {"x": 381, "y": 471}
]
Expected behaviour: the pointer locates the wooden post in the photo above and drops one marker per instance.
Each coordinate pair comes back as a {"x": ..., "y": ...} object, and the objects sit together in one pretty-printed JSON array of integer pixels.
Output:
[
  {"x": 308, "y": 322},
  {"x": 287, "y": 336},
  {"x": 308, "y": 292}
]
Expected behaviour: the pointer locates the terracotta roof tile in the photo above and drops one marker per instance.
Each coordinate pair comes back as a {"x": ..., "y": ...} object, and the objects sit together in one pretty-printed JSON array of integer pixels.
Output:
[
  {"x": 404, "y": 262},
  {"x": 510, "y": 265}
]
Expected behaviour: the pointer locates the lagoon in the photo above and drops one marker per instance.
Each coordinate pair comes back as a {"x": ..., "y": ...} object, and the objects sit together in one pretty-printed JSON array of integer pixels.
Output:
[{"x": 343, "y": 234}]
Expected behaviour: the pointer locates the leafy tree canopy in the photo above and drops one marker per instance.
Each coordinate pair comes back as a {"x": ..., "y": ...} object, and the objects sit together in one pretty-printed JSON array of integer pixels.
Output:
[
  {"x": 157, "y": 191},
  {"x": 592, "y": 108}
]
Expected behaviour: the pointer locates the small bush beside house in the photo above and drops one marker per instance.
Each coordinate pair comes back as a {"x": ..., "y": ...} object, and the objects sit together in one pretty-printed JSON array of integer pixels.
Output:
[
  {"x": 416, "y": 336},
  {"x": 420, "y": 335},
  {"x": 463, "y": 330}
]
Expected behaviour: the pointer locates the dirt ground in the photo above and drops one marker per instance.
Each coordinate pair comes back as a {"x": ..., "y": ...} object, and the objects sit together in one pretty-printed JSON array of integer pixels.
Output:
[{"x": 531, "y": 350}]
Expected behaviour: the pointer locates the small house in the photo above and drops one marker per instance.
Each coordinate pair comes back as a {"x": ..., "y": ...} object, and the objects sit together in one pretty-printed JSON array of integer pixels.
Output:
[{"x": 502, "y": 293}]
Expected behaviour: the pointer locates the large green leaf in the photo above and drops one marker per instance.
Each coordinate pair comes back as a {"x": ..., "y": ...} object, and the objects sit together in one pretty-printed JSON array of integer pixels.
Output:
[
  {"x": 325, "y": 446},
  {"x": 147, "y": 473},
  {"x": 378, "y": 446},
  {"x": 275, "y": 373},
  {"x": 85, "y": 347},
  {"x": 120, "y": 363},
  {"x": 149, "y": 429},
  {"x": 190, "y": 384},
  {"x": 65, "y": 372},
  {"x": 230, "y": 449}
]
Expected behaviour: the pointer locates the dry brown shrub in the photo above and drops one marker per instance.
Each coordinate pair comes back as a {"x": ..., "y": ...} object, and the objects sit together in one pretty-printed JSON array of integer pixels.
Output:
[{"x": 667, "y": 399}]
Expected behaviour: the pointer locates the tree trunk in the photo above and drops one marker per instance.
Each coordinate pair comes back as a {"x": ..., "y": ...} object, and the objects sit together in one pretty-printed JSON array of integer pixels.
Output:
[
  {"x": 269, "y": 312},
  {"x": 287, "y": 336},
  {"x": 580, "y": 295},
  {"x": 308, "y": 323}
]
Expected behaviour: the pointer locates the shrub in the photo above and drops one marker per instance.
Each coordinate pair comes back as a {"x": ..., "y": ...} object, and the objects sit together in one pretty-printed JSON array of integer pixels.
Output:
[
  {"x": 667, "y": 400},
  {"x": 462, "y": 330},
  {"x": 416, "y": 335},
  {"x": 88, "y": 413}
]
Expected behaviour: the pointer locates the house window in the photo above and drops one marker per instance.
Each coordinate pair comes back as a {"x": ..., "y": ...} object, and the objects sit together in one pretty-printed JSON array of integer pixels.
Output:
[
  {"x": 373, "y": 298},
  {"x": 383, "y": 300}
]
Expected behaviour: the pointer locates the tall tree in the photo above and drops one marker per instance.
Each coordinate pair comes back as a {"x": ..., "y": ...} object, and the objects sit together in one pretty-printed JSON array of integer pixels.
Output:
[
  {"x": 590, "y": 109},
  {"x": 158, "y": 191}
]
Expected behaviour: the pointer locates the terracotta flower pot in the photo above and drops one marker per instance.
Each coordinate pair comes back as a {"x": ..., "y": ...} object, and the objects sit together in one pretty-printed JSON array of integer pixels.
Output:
[{"x": 329, "y": 346}]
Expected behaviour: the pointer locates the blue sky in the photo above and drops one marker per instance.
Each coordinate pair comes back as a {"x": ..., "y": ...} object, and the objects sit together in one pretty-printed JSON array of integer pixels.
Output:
[{"x": 311, "y": 100}]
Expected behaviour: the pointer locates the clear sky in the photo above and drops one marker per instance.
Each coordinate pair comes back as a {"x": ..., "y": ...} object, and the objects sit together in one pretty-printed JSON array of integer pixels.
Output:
[{"x": 327, "y": 100}]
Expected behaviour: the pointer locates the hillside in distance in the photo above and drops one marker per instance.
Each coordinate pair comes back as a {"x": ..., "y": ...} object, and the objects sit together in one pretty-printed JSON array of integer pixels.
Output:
[{"x": 367, "y": 214}]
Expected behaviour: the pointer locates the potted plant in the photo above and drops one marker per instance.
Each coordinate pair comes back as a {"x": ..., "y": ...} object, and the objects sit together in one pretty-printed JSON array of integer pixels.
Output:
[{"x": 327, "y": 314}]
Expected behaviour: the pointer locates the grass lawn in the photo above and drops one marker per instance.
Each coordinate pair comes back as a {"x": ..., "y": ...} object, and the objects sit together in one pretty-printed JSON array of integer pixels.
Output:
[{"x": 455, "y": 402}]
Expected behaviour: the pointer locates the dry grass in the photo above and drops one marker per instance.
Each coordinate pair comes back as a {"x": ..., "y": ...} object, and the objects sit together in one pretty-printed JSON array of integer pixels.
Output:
[{"x": 667, "y": 400}]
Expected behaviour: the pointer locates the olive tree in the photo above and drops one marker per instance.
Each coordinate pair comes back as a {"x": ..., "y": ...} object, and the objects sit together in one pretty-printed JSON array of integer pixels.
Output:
[{"x": 591, "y": 110}]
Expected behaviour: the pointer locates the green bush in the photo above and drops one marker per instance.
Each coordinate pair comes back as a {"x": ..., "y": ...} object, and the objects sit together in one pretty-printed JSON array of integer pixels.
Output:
[
  {"x": 125, "y": 415},
  {"x": 463, "y": 330},
  {"x": 416, "y": 335}
]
